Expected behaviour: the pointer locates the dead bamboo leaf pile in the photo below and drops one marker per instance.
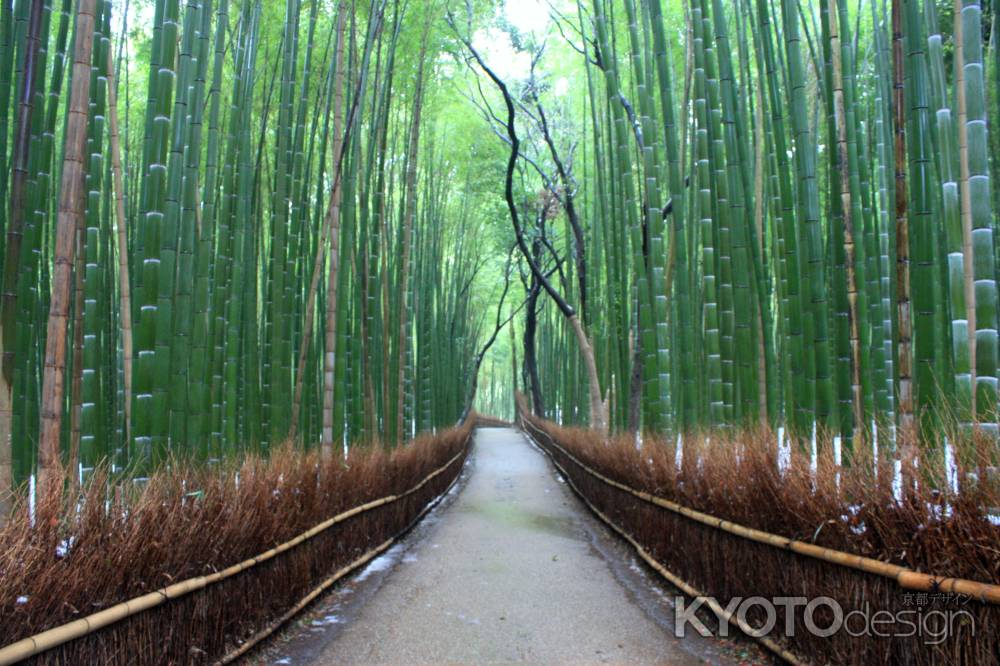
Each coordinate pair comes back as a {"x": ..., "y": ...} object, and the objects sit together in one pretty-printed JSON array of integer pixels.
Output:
[
  {"x": 213, "y": 560},
  {"x": 727, "y": 523}
]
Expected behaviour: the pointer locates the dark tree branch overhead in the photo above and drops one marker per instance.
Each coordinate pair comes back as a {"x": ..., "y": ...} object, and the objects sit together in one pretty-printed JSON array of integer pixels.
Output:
[
  {"x": 559, "y": 19},
  {"x": 499, "y": 326},
  {"x": 568, "y": 201},
  {"x": 495, "y": 125},
  {"x": 598, "y": 404},
  {"x": 565, "y": 196},
  {"x": 544, "y": 240},
  {"x": 515, "y": 147}
]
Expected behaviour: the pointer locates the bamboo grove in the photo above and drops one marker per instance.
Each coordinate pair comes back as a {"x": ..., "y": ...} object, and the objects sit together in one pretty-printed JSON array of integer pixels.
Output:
[
  {"x": 231, "y": 223},
  {"x": 224, "y": 227},
  {"x": 788, "y": 213}
]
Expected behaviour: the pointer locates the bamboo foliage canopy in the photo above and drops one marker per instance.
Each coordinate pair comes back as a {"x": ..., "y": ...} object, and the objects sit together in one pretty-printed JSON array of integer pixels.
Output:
[{"x": 227, "y": 223}]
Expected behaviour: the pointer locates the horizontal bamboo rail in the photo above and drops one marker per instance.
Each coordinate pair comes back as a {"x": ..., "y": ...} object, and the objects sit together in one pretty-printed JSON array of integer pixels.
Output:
[
  {"x": 326, "y": 584},
  {"x": 52, "y": 638},
  {"x": 904, "y": 577},
  {"x": 256, "y": 639},
  {"x": 674, "y": 579}
]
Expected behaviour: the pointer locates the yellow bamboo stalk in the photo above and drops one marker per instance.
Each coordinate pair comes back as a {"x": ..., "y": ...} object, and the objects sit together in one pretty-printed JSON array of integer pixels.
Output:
[
  {"x": 52, "y": 638},
  {"x": 904, "y": 577},
  {"x": 840, "y": 120},
  {"x": 71, "y": 198}
]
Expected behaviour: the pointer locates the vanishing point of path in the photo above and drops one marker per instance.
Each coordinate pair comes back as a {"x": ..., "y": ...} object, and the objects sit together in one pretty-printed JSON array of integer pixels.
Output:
[{"x": 512, "y": 568}]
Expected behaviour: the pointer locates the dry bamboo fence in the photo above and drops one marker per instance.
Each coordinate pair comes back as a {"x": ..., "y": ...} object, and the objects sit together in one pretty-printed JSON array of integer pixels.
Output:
[
  {"x": 197, "y": 620},
  {"x": 492, "y": 422},
  {"x": 706, "y": 555}
]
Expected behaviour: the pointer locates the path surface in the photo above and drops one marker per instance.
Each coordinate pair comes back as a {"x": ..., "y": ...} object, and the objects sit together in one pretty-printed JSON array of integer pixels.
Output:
[{"x": 511, "y": 569}]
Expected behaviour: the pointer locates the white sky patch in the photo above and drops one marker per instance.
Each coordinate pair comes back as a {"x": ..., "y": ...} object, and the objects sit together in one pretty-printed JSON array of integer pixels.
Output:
[
  {"x": 497, "y": 50},
  {"x": 561, "y": 86},
  {"x": 527, "y": 15}
]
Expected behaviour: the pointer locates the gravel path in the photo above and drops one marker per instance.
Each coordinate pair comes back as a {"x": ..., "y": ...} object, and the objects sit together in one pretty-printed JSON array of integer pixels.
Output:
[{"x": 514, "y": 569}]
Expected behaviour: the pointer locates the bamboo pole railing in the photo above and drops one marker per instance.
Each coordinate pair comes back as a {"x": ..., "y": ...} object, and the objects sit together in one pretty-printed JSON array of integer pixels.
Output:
[
  {"x": 52, "y": 638},
  {"x": 903, "y": 576},
  {"x": 675, "y": 580},
  {"x": 254, "y": 640}
]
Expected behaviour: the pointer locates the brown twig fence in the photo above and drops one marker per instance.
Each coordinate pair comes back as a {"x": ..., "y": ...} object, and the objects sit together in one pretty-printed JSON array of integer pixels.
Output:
[
  {"x": 705, "y": 555},
  {"x": 221, "y": 616},
  {"x": 492, "y": 422}
]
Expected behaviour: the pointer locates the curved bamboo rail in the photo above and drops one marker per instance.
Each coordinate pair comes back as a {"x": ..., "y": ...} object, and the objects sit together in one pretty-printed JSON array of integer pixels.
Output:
[
  {"x": 52, "y": 638},
  {"x": 904, "y": 577},
  {"x": 254, "y": 640},
  {"x": 260, "y": 636},
  {"x": 672, "y": 578}
]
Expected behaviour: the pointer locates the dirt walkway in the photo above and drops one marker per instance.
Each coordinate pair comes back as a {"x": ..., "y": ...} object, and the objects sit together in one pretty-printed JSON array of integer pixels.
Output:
[{"x": 513, "y": 569}]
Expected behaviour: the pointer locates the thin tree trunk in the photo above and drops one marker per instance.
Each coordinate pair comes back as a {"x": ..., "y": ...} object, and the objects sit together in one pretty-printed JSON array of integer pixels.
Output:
[
  {"x": 122, "y": 238},
  {"x": 569, "y": 204},
  {"x": 478, "y": 362},
  {"x": 71, "y": 200},
  {"x": 368, "y": 418},
  {"x": 598, "y": 406},
  {"x": 513, "y": 356},
  {"x": 531, "y": 354}
]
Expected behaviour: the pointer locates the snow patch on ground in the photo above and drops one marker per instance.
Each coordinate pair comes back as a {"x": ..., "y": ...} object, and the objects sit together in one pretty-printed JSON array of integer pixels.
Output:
[
  {"x": 380, "y": 563},
  {"x": 31, "y": 500},
  {"x": 326, "y": 620},
  {"x": 837, "y": 458},
  {"x": 784, "y": 451},
  {"x": 62, "y": 550},
  {"x": 951, "y": 466},
  {"x": 813, "y": 456}
]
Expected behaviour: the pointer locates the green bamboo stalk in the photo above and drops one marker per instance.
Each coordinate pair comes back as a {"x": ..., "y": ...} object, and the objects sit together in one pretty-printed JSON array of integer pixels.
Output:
[
  {"x": 925, "y": 285},
  {"x": 93, "y": 438},
  {"x": 850, "y": 196},
  {"x": 815, "y": 327},
  {"x": 977, "y": 206}
]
